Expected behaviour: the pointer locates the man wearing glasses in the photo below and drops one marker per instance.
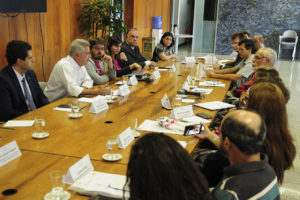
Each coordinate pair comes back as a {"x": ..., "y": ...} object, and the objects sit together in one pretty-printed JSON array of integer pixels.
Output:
[{"x": 132, "y": 51}]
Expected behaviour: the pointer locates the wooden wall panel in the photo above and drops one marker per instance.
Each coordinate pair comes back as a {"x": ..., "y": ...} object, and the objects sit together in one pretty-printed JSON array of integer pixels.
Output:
[
  {"x": 144, "y": 10},
  {"x": 49, "y": 33}
]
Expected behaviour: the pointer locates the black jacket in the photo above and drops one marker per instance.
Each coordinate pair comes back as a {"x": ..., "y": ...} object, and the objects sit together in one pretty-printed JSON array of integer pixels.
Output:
[
  {"x": 133, "y": 55},
  {"x": 12, "y": 100}
]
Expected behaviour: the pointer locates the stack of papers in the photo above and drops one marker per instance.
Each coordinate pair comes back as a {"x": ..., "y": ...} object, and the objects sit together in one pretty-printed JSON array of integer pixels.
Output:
[
  {"x": 91, "y": 100},
  {"x": 212, "y": 84},
  {"x": 93, "y": 183},
  {"x": 215, "y": 105},
  {"x": 19, "y": 123},
  {"x": 153, "y": 126}
]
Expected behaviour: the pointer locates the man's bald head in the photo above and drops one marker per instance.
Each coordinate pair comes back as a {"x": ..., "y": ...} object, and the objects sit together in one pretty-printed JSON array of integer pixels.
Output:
[{"x": 245, "y": 129}]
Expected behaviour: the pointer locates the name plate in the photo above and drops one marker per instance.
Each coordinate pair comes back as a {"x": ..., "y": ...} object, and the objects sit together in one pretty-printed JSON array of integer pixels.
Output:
[
  {"x": 83, "y": 166},
  {"x": 165, "y": 101},
  {"x": 155, "y": 75},
  {"x": 182, "y": 112},
  {"x": 123, "y": 90},
  {"x": 186, "y": 86},
  {"x": 125, "y": 138},
  {"x": 133, "y": 81},
  {"x": 99, "y": 104},
  {"x": 190, "y": 59},
  {"x": 173, "y": 68},
  {"x": 9, "y": 152}
]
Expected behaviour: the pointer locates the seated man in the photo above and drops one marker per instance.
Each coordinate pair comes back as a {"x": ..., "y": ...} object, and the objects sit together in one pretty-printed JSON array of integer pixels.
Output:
[
  {"x": 100, "y": 66},
  {"x": 69, "y": 76},
  {"x": 235, "y": 39},
  {"x": 249, "y": 175},
  {"x": 132, "y": 51},
  {"x": 20, "y": 90},
  {"x": 258, "y": 41},
  {"x": 241, "y": 73}
]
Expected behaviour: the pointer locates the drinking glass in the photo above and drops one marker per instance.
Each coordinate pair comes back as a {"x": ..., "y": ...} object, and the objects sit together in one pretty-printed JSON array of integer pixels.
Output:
[
  {"x": 125, "y": 79},
  {"x": 177, "y": 102},
  {"x": 39, "y": 124},
  {"x": 75, "y": 107},
  {"x": 57, "y": 185},
  {"x": 132, "y": 122}
]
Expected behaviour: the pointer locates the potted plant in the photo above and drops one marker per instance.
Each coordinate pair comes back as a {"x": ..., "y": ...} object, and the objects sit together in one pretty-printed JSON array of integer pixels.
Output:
[{"x": 101, "y": 18}]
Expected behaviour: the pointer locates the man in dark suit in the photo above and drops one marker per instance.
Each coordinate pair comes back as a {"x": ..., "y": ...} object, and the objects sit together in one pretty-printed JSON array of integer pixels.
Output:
[
  {"x": 19, "y": 87},
  {"x": 132, "y": 51}
]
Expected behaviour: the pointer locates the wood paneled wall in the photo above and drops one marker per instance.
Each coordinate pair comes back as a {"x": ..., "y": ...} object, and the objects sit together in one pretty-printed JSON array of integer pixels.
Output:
[
  {"x": 50, "y": 33},
  {"x": 144, "y": 10}
]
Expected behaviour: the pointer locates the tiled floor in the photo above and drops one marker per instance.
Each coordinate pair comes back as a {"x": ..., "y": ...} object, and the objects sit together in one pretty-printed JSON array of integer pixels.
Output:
[{"x": 290, "y": 74}]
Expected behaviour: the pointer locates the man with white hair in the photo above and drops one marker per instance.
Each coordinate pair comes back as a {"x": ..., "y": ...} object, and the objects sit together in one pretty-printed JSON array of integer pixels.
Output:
[{"x": 69, "y": 76}]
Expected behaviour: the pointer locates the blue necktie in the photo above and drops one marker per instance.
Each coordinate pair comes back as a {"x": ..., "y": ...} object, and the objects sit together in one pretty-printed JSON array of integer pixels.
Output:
[{"x": 28, "y": 97}]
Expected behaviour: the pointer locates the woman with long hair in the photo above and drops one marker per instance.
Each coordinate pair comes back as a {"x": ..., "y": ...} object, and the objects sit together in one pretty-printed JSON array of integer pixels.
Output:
[
  {"x": 165, "y": 48},
  {"x": 267, "y": 99},
  {"x": 119, "y": 59},
  {"x": 159, "y": 168}
]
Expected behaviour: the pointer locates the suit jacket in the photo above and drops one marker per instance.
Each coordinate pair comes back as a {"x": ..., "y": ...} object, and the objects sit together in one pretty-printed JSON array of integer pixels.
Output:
[
  {"x": 12, "y": 100},
  {"x": 133, "y": 55}
]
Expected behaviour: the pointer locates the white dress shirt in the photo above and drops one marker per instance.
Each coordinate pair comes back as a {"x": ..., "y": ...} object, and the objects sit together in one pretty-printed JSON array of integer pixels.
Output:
[
  {"x": 20, "y": 78},
  {"x": 67, "y": 79}
]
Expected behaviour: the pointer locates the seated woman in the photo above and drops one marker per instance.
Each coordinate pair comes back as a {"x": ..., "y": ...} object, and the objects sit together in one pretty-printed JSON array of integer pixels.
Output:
[
  {"x": 159, "y": 168},
  {"x": 267, "y": 100},
  {"x": 165, "y": 49},
  {"x": 119, "y": 59}
]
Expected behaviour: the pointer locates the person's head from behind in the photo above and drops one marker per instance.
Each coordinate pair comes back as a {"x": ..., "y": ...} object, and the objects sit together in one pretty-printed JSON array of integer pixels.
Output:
[
  {"x": 271, "y": 75},
  {"x": 264, "y": 56},
  {"x": 243, "y": 133},
  {"x": 267, "y": 100},
  {"x": 235, "y": 39},
  {"x": 159, "y": 168},
  {"x": 114, "y": 45},
  {"x": 167, "y": 40},
  {"x": 247, "y": 34},
  {"x": 19, "y": 54},
  {"x": 97, "y": 47},
  {"x": 133, "y": 36},
  {"x": 258, "y": 41},
  {"x": 245, "y": 48},
  {"x": 80, "y": 51}
]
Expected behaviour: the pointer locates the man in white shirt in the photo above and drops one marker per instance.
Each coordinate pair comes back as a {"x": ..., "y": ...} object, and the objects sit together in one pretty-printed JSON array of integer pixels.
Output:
[{"x": 69, "y": 76}]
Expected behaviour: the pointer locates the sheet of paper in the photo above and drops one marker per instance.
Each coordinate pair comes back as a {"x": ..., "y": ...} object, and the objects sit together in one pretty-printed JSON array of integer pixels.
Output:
[
  {"x": 182, "y": 143},
  {"x": 153, "y": 126},
  {"x": 63, "y": 109},
  {"x": 9, "y": 152},
  {"x": 212, "y": 84},
  {"x": 188, "y": 100},
  {"x": 215, "y": 105},
  {"x": 203, "y": 90},
  {"x": 195, "y": 120},
  {"x": 19, "y": 123}
]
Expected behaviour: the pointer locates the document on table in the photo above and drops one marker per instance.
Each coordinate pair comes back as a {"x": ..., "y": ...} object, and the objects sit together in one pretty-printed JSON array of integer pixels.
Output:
[
  {"x": 19, "y": 123},
  {"x": 63, "y": 109},
  {"x": 153, "y": 126},
  {"x": 215, "y": 105},
  {"x": 109, "y": 185},
  {"x": 203, "y": 90},
  {"x": 212, "y": 84},
  {"x": 91, "y": 100}
]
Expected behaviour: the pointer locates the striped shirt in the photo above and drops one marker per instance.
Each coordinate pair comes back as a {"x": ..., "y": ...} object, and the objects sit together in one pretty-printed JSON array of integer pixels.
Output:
[{"x": 255, "y": 180}]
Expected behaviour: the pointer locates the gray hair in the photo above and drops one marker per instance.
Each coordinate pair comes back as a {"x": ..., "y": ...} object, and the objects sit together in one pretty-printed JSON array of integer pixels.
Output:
[
  {"x": 77, "y": 46},
  {"x": 271, "y": 54}
]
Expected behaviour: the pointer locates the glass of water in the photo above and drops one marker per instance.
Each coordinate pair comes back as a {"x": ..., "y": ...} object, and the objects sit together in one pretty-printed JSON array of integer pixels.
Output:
[
  {"x": 75, "y": 107},
  {"x": 112, "y": 146},
  {"x": 57, "y": 185},
  {"x": 132, "y": 122},
  {"x": 125, "y": 79},
  {"x": 177, "y": 102}
]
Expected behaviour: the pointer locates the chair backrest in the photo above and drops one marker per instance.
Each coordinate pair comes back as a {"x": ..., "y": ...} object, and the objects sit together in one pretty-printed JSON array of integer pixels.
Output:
[{"x": 289, "y": 34}]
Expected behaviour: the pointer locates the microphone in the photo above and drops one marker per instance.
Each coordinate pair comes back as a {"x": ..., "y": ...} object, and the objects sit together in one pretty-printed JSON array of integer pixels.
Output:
[{"x": 182, "y": 91}]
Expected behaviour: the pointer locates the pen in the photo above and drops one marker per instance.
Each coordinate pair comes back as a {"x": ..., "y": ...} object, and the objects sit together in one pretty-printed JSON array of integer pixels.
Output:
[
  {"x": 82, "y": 107},
  {"x": 8, "y": 128}
]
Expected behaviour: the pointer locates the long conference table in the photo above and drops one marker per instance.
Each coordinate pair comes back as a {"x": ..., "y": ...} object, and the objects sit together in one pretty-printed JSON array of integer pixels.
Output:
[{"x": 71, "y": 139}]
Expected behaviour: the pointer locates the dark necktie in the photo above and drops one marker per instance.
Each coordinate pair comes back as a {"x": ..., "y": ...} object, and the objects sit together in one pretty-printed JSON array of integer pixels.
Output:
[{"x": 28, "y": 97}]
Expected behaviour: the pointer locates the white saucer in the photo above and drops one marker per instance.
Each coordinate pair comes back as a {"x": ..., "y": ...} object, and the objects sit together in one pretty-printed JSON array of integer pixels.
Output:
[
  {"x": 136, "y": 134},
  {"x": 40, "y": 135},
  {"x": 75, "y": 115},
  {"x": 112, "y": 157},
  {"x": 65, "y": 196}
]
